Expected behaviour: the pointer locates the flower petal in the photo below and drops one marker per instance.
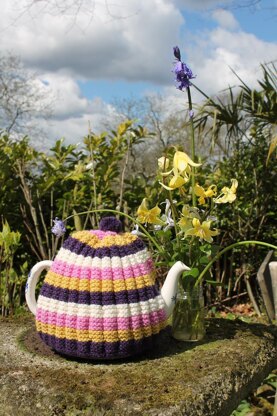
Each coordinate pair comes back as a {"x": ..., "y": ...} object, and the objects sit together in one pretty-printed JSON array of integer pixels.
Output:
[
  {"x": 177, "y": 182},
  {"x": 234, "y": 185},
  {"x": 163, "y": 163},
  {"x": 181, "y": 160}
]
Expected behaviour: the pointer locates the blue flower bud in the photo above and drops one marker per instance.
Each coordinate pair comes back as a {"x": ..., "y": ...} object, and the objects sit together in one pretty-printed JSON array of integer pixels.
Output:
[{"x": 177, "y": 53}]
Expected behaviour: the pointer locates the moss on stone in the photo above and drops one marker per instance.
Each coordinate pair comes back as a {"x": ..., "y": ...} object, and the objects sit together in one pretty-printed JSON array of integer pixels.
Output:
[{"x": 206, "y": 378}]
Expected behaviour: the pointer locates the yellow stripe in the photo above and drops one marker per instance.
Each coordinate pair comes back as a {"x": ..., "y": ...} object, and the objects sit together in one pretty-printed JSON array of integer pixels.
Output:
[
  {"x": 110, "y": 240},
  {"x": 75, "y": 283},
  {"x": 99, "y": 336}
]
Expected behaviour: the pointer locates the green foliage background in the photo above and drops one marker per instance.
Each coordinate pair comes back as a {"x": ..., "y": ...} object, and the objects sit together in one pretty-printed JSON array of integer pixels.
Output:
[{"x": 36, "y": 187}]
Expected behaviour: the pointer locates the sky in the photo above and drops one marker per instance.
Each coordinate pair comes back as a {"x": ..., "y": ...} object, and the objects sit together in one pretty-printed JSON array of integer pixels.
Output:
[{"x": 88, "y": 53}]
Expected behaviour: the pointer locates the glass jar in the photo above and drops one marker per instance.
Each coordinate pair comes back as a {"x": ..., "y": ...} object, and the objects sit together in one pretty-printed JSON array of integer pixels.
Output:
[{"x": 189, "y": 315}]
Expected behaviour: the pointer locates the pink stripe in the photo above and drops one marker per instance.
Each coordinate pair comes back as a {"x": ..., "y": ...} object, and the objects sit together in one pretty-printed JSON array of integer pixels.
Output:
[
  {"x": 94, "y": 273},
  {"x": 101, "y": 234},
  {"x": 100, "y": 324}
]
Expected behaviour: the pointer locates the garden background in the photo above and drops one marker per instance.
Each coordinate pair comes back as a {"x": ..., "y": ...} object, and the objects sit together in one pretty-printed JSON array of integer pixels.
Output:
[{"x": 117, "y": 169}]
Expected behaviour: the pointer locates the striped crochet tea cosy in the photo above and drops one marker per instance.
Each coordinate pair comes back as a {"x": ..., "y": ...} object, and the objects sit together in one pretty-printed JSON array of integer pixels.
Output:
[{"x": 99, "y": 299}]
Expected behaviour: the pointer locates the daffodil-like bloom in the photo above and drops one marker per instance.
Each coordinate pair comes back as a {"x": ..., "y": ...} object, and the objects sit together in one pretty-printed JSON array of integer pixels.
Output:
[
  {"x": 202, "y": 194},
  {"x": 227, "y": 194},
  {"x": 150, "y": 216},
  {"x": 202, "y": 231}
]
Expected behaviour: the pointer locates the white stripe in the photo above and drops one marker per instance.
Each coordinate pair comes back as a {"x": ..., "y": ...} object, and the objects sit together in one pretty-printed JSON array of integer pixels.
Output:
[
  {"x": 71, "y": 258},
  {"x": 98, "y": 311}
]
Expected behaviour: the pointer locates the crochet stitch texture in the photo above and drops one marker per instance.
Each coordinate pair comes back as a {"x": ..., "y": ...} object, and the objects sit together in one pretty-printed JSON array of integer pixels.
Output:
[{"x": 99, "y": 299}]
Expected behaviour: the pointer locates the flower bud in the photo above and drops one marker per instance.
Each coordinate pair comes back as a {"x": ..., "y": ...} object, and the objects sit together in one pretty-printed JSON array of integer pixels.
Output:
[{"x": 177, "y": 53}]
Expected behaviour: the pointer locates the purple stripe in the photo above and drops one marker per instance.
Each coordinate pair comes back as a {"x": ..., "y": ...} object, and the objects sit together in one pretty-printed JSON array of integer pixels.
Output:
[
  {"x": 99, "y": 298},
  {"x": 99, "y": 350},
  {"x": 78, "y": 247}
]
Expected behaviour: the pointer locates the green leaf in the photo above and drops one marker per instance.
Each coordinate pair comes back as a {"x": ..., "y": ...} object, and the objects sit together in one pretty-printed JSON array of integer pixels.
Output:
[
  {"x": 204, "y": 260},
  {"x": 242, "y": 409},
  {"x": 194, "y": 272}
]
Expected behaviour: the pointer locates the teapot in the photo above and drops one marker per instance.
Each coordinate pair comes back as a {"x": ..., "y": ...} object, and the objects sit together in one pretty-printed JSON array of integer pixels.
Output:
[{"x": 99, "y": 299}]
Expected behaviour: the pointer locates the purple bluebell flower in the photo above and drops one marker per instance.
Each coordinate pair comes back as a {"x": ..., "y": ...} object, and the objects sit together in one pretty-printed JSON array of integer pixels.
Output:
[
  {"x": 182, "y": 71},
  {"x": 191, "y": 113},
  {"x": 59, "y": 228}
]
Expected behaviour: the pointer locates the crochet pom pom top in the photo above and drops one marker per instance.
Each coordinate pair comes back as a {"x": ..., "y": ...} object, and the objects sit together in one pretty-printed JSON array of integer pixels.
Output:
[{"x": 99, "y": 299}]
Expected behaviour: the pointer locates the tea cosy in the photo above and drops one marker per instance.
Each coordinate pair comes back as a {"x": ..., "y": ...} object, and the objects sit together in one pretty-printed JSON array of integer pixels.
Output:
[{"x": 99, "y": 299}]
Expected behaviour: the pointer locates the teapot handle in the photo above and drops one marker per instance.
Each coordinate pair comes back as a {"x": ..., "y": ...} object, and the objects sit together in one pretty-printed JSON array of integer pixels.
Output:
[{"x": 30, "y": 287}]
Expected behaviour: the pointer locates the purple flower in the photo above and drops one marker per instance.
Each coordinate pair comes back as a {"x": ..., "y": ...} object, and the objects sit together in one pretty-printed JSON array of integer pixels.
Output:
[
  {"x": 59, "y": 228},
  {"x": 177, "y": 53},
  {"x": 182, "y": 71},
  {"x": 191, "y": 113},
  {"x": 183, "y": 75}
]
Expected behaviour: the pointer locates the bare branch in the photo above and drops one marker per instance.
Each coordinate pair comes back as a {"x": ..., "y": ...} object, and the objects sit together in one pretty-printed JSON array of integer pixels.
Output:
[
  {"x": 72, "y": 9},
  {"x": 23, "y": 98}
]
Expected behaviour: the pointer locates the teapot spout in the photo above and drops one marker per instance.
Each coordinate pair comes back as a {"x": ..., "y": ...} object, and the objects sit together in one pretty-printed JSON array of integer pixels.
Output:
[{"x": 170, "y": 286}]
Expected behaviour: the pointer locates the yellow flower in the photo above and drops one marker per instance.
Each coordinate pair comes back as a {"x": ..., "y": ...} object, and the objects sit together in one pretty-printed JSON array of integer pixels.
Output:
[
  {"x": 202, "y": 231},
  {"x": 187, "y": 215},
  {"x": 181, "y": 162},
  {"x": 202, "y": 194},
  {"x": 185, "y": 224},
  {"x": 181, "y": 170},
  {"x": 227, "y": 194},
  {"x": 175, "y": 182},
  {"x": 163, "y": 163},
  {"x": 149, "y": 215},
  {"x": 186, "y": 211}
]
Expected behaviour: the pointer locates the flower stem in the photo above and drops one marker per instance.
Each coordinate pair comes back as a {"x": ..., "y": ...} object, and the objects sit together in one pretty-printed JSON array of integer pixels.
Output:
[
  {"x": 154, "y": 242},
  {"x": 174, "y": 218},
  {"x": 230, "y": 247},
  {"x": 192, "y": 147}
]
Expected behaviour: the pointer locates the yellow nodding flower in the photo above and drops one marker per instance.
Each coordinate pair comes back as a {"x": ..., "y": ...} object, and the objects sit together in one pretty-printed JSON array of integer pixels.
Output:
[
  {"x": 150, "y": 216},
  {"x": 181, "y": 170},
  {"x": 181, "y": 162},
  {"x": 202, "y": 194},
  {"x": 175, "y": 182},
  {"x": 202, "y": 231},
  {"x": 227, "y": 194}
]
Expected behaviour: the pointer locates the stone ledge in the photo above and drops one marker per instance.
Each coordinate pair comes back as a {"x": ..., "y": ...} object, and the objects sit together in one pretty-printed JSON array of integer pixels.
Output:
[{"x": 201, "y": 379}]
